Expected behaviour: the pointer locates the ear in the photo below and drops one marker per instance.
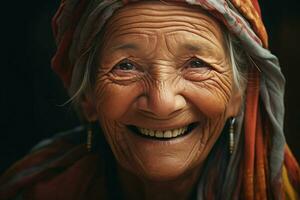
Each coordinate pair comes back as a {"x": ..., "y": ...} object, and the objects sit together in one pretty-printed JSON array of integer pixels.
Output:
[
  {"x": 89, "y": 108},
  {"x": 235, "y": 103}
]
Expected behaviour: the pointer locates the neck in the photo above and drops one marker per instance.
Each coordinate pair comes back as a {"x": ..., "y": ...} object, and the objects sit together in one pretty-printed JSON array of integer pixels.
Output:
[{"x": 137, "y": 188}]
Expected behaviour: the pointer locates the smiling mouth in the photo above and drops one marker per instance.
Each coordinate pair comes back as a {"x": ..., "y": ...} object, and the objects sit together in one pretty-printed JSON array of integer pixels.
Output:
[{"x": 162, "y": 134}]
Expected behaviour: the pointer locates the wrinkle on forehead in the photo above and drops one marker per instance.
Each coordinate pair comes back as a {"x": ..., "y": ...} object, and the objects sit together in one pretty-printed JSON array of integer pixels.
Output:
[
  {"x": 156, "y": 8},
  {"x": 144, "y": 15},
  {"x": 155, "y": 32},
  {"x": 152, "y": 24}
]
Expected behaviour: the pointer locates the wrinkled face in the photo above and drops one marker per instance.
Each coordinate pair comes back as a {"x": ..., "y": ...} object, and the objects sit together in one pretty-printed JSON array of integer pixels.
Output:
[{"x": 164, "y": 88}]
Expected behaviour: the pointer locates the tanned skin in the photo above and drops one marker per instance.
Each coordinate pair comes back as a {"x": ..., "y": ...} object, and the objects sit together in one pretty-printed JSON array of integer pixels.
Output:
[{"x": 162, "y": 66}]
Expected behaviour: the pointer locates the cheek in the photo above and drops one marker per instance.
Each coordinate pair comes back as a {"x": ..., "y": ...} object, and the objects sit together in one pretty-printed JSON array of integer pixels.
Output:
[
  {"x": 211, "y": 97},
  {"x": 113, "y": 100}
]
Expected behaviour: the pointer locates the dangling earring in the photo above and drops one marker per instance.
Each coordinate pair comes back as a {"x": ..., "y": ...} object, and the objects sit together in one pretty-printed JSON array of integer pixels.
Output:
[
  {"x": 231, "y": 135},
  {"x": 89, "y": 140}
]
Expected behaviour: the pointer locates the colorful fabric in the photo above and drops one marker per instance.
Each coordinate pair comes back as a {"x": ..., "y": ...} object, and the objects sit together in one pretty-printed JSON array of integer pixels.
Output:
[
  {"x": 262, "y": 166},
  {"x": 59, "y": 168}
]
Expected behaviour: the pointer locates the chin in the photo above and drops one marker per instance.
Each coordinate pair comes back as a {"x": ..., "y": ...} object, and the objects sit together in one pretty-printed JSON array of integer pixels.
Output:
[
  {"x": 164, "y": 170},
  {"x": 164, "y": 159}
]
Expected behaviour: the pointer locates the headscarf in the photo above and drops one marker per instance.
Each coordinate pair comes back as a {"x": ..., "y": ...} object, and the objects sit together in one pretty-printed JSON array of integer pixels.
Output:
[{"x": 262, "y": 166}]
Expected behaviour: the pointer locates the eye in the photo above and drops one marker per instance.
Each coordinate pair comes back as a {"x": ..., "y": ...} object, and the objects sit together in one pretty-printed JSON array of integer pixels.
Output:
[
  {"x": 125, "y": 72},
  {"x": 125, "y": 65},
  {"x": 197, "y": 63}
]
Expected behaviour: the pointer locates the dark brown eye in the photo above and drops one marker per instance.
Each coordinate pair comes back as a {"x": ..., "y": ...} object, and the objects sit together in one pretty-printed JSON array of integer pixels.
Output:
[
  {"x": 197, "y": 63},
  {"x": 125, "y": 65}
]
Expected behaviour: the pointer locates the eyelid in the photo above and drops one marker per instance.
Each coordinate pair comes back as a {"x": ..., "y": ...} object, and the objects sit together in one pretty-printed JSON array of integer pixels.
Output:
[
  {"x": 136, "y": 66},
  {"x": 196, "y": 58}
]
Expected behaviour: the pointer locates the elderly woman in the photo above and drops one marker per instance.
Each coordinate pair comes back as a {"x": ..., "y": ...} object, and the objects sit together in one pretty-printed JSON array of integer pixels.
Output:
[{"x": 182, "y": 100}]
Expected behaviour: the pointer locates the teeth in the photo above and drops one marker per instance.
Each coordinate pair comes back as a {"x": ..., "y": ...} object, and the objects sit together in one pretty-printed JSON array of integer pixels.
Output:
[
  {"x": 163, "y": 134},
  {"x": 146, "y": 132},
  {"x": 168, "y": 134},
  {"x": 152, "y": 133},
  {"x": 159, "y": 134},
  {"x": 175, "y": 133}
]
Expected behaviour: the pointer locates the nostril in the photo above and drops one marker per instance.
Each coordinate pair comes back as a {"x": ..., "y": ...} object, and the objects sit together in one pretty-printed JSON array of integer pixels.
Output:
[
  {"x": 155, "y": 116},
  {"x": 162, "y": 106},
  {"x": 147, "y": 114},
  {"x": 142, "y": 103}
]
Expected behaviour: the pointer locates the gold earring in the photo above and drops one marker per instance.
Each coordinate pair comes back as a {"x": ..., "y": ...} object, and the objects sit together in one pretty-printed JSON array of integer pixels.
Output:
[
  {"x": 89, "y": 140},
  {"x": 231, "y": 135}
]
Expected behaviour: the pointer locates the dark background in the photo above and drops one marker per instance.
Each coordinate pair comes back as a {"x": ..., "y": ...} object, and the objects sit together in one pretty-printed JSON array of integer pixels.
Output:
[{"x": 31, "y": 94}]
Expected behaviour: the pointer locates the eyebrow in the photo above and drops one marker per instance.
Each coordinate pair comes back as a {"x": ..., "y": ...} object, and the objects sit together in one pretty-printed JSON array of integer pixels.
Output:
[
  {"x": 193, "y": 48},
  {"x": 126, "y": 46},
  {"x": 188, "y": 46}
]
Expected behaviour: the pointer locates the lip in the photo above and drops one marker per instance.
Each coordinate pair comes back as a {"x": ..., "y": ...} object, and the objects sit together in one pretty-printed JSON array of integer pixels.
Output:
[
  {"x": 134, "y": 130},
  {"x": 162, "y": 126}
]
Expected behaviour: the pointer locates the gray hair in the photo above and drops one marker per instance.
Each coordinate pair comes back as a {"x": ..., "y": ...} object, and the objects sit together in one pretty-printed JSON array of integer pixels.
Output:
[
  {"x": 239, "y": 60},
  {"x": 84, "y": 71}
]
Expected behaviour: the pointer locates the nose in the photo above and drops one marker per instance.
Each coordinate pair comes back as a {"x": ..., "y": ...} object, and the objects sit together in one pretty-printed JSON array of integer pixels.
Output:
[{"x": 161, "y": 101}]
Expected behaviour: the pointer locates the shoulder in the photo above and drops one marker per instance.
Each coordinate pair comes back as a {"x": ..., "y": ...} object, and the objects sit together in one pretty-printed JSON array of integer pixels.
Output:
[{"x": 56, "y": 168}]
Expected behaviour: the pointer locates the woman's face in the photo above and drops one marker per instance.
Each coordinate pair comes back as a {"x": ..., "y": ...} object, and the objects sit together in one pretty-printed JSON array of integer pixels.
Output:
[{"x": 164, "y": 88}]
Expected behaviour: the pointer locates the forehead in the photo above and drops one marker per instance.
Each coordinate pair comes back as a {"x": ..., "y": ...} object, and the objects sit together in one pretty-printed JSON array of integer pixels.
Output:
[
  {"x": 152, "y": 26},
  {"x": 154, "y": 16}
]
